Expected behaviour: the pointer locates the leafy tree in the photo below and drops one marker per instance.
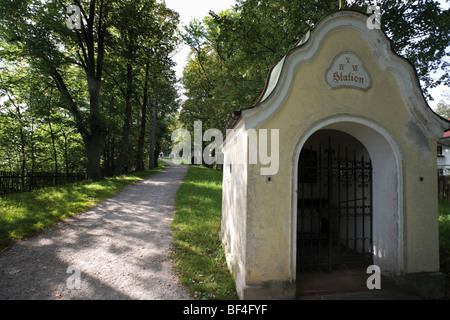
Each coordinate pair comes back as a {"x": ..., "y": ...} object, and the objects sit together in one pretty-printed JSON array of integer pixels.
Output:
[
  {"x": 35, "y": 134},
  {"x": 147, "y": 42},
  {"x": 233, "y": 51},
  {"x": 443, "y": 107},
  {"x": 420, "y": 31},
  {"x": 90, "y": 78},
  {"x": 40, "y": 32}
]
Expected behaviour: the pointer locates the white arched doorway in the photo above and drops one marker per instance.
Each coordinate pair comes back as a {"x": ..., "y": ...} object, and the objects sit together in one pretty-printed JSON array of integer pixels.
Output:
[{"x": 386, "y": 193}]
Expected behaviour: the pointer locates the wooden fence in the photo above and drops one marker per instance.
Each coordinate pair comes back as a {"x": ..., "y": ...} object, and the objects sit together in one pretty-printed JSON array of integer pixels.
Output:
[
  {"x": 444, "y": 188},
  {"x": 14, "y": 182}
]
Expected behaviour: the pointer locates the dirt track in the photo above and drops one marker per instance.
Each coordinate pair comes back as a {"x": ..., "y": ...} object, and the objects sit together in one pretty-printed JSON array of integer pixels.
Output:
[{"x": 120, "y": 249}]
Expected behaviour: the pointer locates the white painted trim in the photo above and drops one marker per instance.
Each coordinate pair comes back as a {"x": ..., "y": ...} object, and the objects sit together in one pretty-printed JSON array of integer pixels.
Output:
[
  {"x": 327, "y": 122},
  {"x": 236, "y": 134}
]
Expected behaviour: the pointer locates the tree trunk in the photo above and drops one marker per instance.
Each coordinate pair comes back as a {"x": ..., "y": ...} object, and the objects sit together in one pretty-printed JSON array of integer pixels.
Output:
[
  {"x": 95, "y": 138},
  {"x": 55, "y": 152},
  {"x": 140, "y": 156},
  {"x": 33, "y": 156},
  {"x": 152, "y": 156},
  {"x": 108, "y": 147},
  {"x": 52, "y": 135},
  {"x": 94, "y": 145},
  {"x": 91, "y": 58},
  {"x": 93, "y": 132},
  {"x": 66, "y": 151},
  {"x": 123, "y": 156}
]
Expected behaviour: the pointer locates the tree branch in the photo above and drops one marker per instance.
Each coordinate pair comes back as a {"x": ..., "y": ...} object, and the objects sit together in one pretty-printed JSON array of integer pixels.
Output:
[{"x": 71, "y": 105}]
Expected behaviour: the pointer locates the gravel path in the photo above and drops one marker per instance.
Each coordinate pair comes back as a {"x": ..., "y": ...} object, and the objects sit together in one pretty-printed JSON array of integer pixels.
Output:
[{"x": 117, "y": 250}]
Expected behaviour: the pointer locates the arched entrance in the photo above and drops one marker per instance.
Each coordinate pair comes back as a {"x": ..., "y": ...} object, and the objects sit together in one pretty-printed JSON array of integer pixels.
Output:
[
  {"x": 334, "y": 206},
  {"x": 347, "y": 198}
]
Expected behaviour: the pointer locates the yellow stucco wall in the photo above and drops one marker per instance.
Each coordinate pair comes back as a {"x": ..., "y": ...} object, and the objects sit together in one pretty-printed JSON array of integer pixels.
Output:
[
  {"x": 269, "y": 204},
  {"x": 234, "y": 204}
]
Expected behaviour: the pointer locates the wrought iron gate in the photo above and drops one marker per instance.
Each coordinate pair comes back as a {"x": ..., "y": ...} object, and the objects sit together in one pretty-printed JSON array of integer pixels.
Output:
[{"x": 334, "y": 209}]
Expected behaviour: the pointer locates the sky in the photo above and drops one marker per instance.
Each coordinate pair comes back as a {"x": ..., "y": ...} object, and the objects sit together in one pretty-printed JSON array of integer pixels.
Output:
[{"x": 190, "y": 9}]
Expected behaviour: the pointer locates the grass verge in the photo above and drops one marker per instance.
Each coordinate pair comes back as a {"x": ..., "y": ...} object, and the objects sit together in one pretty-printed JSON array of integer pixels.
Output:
[
  {"x": 26, "y": 214},
  {"x": 197, "y": 250},
  {"x": 198, "y": 254},
  {"x": 444, "y": 241}
]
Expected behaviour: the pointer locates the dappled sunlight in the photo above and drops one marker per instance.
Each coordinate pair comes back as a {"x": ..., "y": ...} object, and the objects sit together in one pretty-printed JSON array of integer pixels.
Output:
[
  {"x": 27, "y": 213},
  {"x": 120, "y": 247},
  {"x": 205, "y": 184},
  {"x": 197, "y": 249}
]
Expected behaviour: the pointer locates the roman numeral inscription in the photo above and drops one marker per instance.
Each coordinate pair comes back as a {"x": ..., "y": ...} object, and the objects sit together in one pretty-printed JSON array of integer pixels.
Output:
[{"x": 347, "y": 70}]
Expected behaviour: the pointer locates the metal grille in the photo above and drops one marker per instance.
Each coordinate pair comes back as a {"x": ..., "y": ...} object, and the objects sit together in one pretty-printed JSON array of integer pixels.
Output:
[{"x": 334, "y": 209}]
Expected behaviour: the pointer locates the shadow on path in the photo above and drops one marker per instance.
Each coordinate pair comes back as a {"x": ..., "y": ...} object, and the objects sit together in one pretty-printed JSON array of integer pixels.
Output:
[{"x": 120, "y": 248}]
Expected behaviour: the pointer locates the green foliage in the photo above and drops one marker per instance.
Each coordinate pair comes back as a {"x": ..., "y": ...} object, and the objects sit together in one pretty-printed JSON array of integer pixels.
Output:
[
  {"x": 197, "y": 250},
  {"x": 444, "y": 241},
  {"x": 444, "y": 228},
  {"x": 420, "y": 31},
  {"x": 233, "y": 51},
  {"x": 443, "y": 108},
  {"x": 35, "y": 134},
  {"x": 73, "y": 100}
]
